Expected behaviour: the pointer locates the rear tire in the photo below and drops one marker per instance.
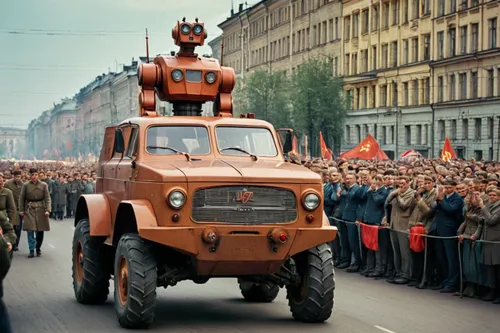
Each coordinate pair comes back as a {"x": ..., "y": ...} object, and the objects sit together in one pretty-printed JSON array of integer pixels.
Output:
[
  {"x": 90, "y": 274},
  {"x": 135, "y": 282},
  {"x": 258, "y": 292},
  {"x": 312, "y": 301}
]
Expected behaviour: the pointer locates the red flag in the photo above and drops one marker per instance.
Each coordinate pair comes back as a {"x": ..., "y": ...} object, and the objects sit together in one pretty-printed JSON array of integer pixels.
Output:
[
  {"x": 306, "y": 153},
  {"x": 447, "y": 153},
  {"x": 294, "y": 145},
  {"x": 368, "y": 149},
  {"x": 369, "y": 235},
  {"x": 325, "y": 153}
]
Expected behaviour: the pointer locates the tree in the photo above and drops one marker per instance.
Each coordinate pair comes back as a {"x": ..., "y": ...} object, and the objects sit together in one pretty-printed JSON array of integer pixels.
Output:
[
  {"x": 265, "y": 94},
  {"x": 318, "y": 104}
]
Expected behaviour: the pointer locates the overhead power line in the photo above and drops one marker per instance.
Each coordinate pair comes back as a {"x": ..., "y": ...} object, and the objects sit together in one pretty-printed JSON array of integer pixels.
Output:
[{"x": 53, "y": 32}]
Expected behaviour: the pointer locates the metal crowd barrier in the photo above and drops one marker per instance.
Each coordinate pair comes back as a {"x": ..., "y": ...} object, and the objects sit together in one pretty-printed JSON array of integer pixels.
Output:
[{"x": 426, "y": 237}]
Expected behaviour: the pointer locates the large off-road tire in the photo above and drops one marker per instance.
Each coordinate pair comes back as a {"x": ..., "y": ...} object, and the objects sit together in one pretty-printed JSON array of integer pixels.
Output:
[
  {"x": 312, "y": 301},
  {"x": 90, "y": 274},
  {"x": 258, "y": 292},
  {"x": 135, "y": 282}
]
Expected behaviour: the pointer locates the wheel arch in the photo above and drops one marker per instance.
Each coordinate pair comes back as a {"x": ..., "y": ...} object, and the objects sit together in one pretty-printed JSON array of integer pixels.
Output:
[
  {"x": 95, "y": 208},
  {"x": 131, "y": 216}
]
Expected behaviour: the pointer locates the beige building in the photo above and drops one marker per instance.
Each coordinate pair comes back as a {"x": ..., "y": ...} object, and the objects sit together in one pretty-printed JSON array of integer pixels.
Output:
[
  {"x": 466, "y": 77},
  {"x": 387, "y": 50},
  {"x": 12, "y": 142},
  {"x": 279, "y": 35}
]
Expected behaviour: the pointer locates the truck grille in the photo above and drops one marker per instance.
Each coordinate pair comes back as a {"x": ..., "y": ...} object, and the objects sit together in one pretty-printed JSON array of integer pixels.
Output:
[{"x": 244, "y": 205}]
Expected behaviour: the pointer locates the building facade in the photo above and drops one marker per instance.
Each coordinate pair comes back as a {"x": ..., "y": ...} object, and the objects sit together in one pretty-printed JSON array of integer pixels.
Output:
[
  {"x": 416, "y": 71},
  {"x": 12, "y": 142},
  {"x": 466, "y": 77},
  {"x": 279, "y": 35}
]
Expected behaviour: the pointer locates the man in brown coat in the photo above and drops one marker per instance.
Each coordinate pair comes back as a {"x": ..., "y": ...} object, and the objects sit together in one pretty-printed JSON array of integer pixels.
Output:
[
  {"x": 8, "y": 210},
  {"x": 35, "y": 207},
  {"x": 15, "y": 185},
  {"x": 402, "y": 202}
]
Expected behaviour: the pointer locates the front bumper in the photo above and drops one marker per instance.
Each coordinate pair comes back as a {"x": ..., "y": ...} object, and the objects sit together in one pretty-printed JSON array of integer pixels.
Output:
[{"x": 239, "y": 250}]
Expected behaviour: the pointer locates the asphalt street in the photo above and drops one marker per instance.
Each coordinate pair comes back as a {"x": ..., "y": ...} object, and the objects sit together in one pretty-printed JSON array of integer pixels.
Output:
[{"x": 39, "y": 296}]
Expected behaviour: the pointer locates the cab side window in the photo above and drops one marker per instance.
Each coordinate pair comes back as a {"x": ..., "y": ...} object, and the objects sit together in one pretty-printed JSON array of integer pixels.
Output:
[{"x": 133, "y": 143}]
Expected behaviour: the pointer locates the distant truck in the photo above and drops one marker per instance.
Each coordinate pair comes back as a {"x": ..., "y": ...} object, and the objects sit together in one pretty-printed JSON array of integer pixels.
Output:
[{"x": 193, "y": 198}]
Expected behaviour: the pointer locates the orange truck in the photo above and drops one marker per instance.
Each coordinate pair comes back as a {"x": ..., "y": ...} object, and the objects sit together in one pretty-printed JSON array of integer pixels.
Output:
[{"x": 189, "y": 197}]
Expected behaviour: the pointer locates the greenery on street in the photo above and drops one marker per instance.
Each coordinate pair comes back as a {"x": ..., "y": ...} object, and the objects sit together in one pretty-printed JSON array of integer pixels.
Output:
[{"x": 310, "y": 100}]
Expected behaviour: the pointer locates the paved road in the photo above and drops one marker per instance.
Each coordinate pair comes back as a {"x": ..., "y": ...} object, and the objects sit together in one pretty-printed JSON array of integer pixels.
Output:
[{"x": 40, "y": 298}]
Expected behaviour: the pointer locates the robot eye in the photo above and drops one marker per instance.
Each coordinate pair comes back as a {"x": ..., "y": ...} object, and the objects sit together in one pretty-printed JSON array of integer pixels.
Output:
[
  {"x": 185, "y": 28},
  {"x": 198, "y": 29}
]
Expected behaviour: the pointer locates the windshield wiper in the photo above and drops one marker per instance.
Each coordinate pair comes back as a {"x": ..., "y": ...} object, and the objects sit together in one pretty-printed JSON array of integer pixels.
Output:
[
  {"x": 188, "y": 157},
  {"x": 255, "y": 158}
]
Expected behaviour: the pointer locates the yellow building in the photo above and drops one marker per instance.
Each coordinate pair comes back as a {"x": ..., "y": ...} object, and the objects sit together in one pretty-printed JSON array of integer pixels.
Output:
[
  {"x": 466, "y": 80},
  {"x": 279, "y": 35},
  {"x": 387, "y": 49}
]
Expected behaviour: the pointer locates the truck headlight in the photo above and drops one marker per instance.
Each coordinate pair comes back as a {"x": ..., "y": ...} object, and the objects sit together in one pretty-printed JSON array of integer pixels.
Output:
[
  {"x": 176, "y": 199},
  {"x": 311, "y": 201}
]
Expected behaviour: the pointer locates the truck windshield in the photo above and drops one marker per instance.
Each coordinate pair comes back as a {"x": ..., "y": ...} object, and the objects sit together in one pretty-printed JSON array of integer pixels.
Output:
[
  {"x": 170, "y": 140},
  {"x": 243, "y": 140}
]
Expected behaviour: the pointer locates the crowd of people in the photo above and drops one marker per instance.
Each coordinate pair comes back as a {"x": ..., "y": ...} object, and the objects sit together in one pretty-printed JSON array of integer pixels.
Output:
[{"x": 420, "y": 222}]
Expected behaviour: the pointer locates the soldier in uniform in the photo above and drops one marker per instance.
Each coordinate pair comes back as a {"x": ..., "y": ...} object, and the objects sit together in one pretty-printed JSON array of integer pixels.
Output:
[
  {"x": 35, "y": 207},
  {"x": 15, "y": 184},
  {"x": 8, "y": 211}
]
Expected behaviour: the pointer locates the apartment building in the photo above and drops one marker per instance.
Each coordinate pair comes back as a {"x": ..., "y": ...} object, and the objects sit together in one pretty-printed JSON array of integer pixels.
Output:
[
  {"x": 387, "y": 50},
  {"x": 279, "y": 35},
  {"x": 466, "y": 76}
]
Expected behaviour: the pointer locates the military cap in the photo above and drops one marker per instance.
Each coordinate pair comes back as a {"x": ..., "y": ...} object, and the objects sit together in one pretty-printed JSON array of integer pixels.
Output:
[
  {"x": 33, "y": 170},
  {"x": 16, "y": 172}
]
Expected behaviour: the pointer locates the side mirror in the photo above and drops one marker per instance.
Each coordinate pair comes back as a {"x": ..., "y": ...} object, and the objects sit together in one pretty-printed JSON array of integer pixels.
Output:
[
  {"x": 288, "y": 145},
  {"x": 119, "y": 142}
]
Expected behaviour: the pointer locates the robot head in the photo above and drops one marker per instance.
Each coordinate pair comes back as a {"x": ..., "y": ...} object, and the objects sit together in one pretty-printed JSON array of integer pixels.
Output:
[{"x": 189, "y": 34}]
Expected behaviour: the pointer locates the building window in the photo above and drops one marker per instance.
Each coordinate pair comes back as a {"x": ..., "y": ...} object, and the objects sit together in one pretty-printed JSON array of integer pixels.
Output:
[
  {"x": 465, "y": 129},
  {"x": 490, "y": 127},
  {"x": 365, "y": 98},
  {"x": 414, "y": 49},
  {"x": 478, "y": 155},
  {"x": 453, "y": 129},
  {"x": 372, "y": 96},
  {"x": 385, "y": 55},
  {"x": 365, "y": 22},
  {"x": 440, "y": 7},
  {"x": 384, "y": 135},
  {"x": 492, "y": 33},
  {"x": 463, "y": 40},
  {"x": 336, "y": 28},
  {"x": 414, "y": 93},
  {"x": 374, "y": 58},
  {"x": 477, "y": 129},
  {"x": 491, "y": 82},
  {"x": 383, "y": 95},
  {"x": 427, "y": 6},
  {"x": 375, "y": 17},
  {"x": 419, "y": 135},
  {"x": 347, "y": 64},
  {"x": 386, "y": 15},
  {"x": 427, "y": 47},
  {"x": 427, "y": 91},
  {"x": 440, "y": 44},
  {"x": 463, "y": 4},
  {"x": 405, "y": 52},
  {"x": 355, "y": 26},
  {"x": 453, "y": 6},
  {"x": 440, "y": 89},
  {"x": 462, "y": 82},
  {"x": 474, "y": 43},
  {"x": 394, "y": 94},
  {"x": 354, "y": 64},
  {"x": 405, "y": 94},
  {"x": 415, "y": 9},
  {"x": 405, "y": 11},
  {"x": 347, "y": 134},
  {"x": 452, "y": 40},
  {"x": 452, "y": 86},
  {"x": 408, "y": 134},
  {"x": 441, "y": 130},
  {"x": 394, "y": 54},
  {"x": 474, "y": 82},
  {"x": 364, "y": 61},
  {"x": 395, "y": 12},
  {"x": 347, "y": 28}
]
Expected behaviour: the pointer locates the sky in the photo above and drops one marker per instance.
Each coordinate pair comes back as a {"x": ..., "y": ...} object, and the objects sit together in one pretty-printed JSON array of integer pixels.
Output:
[{"x": 38, "y": 69}]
